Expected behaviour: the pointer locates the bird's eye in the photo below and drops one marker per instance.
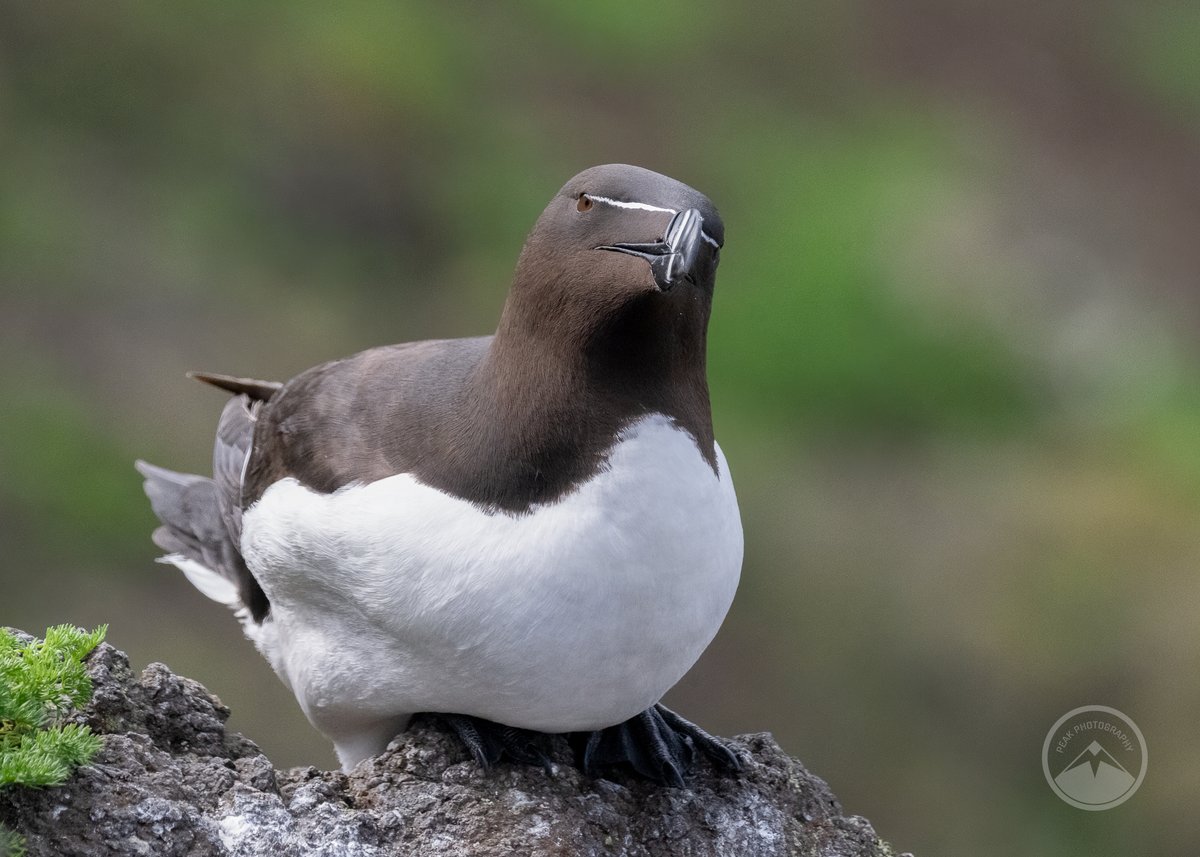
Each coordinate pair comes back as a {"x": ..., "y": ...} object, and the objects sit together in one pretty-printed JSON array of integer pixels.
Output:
[{"x": 585, "y": 202}]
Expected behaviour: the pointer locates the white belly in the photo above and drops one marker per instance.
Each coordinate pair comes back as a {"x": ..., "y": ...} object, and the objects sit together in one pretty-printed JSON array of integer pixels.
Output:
[{"x": 393, "y": 597}]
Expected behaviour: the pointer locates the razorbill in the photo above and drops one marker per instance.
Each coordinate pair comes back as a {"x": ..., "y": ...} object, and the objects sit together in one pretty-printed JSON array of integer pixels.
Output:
[{"x": 530, "y": 532}]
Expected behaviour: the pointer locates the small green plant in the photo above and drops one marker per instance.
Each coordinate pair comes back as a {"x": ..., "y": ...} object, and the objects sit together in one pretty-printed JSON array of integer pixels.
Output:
[{"x": 40, "y": 681}]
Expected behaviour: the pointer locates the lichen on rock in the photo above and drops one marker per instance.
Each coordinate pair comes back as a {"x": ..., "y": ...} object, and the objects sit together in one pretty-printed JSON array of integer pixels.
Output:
[{"x": 171, "y": 780}]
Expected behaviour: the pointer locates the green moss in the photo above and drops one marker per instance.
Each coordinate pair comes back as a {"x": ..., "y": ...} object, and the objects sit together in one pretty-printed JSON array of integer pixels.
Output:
[{"x": 40, "y": 681}]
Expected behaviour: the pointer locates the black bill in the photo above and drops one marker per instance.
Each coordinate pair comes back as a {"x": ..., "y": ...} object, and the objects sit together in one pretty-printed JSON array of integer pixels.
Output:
[{"x": 674, "y": 257}]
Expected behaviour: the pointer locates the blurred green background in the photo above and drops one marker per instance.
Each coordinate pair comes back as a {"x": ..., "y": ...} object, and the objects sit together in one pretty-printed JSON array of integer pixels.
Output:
[{"x": 953, "y": 353}]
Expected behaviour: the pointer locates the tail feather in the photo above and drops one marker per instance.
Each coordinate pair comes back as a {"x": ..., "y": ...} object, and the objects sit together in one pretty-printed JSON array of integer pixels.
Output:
[
  {"x": 257, "y": 390},
  {"x": 187, "y": 506},
  {"x": 161, "y": 474},
  {"x": 177, "y": 542},
  {"x": 196, "y": 540}
]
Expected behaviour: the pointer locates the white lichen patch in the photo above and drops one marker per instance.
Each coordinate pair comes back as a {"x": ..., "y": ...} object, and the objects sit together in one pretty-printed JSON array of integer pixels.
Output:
[{"x": 259, "y": 823}]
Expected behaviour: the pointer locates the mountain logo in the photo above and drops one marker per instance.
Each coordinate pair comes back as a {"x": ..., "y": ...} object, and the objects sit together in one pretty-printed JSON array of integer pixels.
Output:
[{"x": 1094, "y": 757}]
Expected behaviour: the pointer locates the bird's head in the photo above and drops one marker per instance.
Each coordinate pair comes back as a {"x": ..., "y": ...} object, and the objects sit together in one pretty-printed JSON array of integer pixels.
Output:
[{"x": 616, "y": 240}]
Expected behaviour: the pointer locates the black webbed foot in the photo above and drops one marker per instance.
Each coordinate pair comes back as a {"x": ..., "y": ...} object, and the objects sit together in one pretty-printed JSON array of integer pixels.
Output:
[
  {"x": 489, "y": 742},
  {"x": 658, "y": 744}
]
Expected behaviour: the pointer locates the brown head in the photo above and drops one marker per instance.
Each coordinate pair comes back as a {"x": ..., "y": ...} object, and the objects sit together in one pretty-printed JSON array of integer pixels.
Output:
[{"x": 620, "y": 254}]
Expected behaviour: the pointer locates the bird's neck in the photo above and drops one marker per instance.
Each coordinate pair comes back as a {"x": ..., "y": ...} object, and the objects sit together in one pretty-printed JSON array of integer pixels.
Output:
[{"x": 564, "y": 394}]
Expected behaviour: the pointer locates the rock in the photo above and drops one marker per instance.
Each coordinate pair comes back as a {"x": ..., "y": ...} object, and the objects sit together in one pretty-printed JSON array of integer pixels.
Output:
[{"x": 172, "y": 781}]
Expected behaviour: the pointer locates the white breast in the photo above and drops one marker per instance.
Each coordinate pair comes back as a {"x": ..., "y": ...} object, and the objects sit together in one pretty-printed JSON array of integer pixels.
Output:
[{"x": 393, "y": 597}]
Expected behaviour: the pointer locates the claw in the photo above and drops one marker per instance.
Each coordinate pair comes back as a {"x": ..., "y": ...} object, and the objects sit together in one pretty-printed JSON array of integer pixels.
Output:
[
  {"x": 489, "y": 742},
  {"x": 658, "y": 744},
  {"x": 716, "y": 749}
]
